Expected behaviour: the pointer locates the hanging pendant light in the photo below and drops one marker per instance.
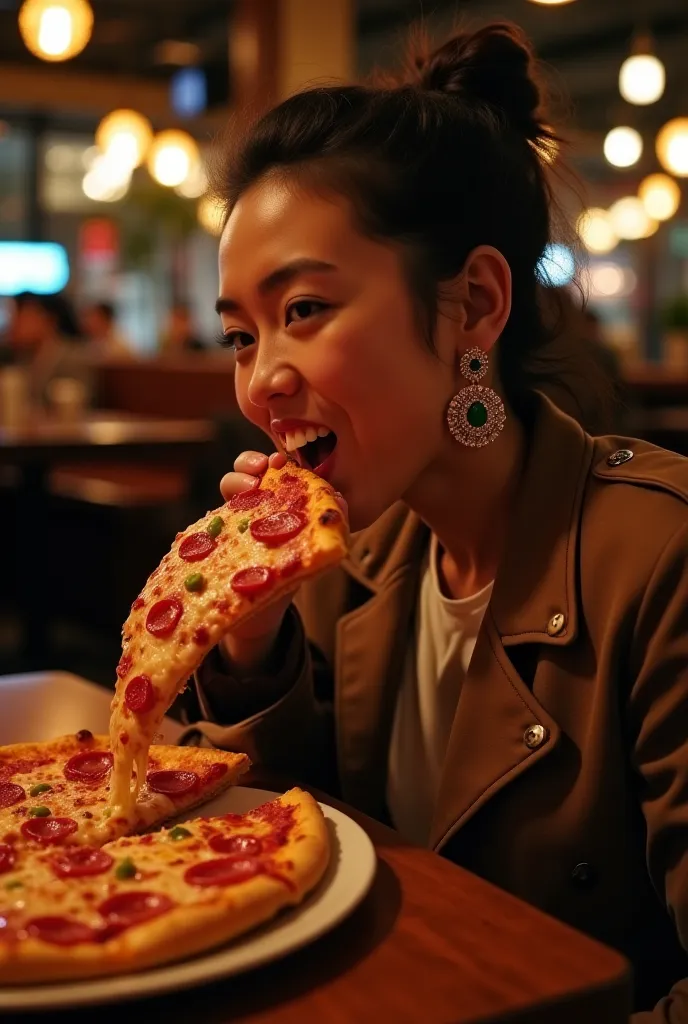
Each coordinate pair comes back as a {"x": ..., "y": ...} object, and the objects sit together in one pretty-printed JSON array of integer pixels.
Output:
[
  {"x": 672, "y": 147},
  {"x": 642, "y": 77},
  {"x": 55, "y": 30}
]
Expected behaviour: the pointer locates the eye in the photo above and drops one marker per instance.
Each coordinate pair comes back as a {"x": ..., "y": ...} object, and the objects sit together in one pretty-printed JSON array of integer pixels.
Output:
[
  {"x": 236, "y": 340},
  {"x": 304, "y": 309}
]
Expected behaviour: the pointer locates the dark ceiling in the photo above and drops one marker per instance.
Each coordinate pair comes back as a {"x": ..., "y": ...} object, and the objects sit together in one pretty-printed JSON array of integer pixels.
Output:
[{"x": 584, "y": 42}]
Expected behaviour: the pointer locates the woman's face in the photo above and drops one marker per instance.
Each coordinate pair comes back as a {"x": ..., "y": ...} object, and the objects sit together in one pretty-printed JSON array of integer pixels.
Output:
[{"x": 325, "y": 336}]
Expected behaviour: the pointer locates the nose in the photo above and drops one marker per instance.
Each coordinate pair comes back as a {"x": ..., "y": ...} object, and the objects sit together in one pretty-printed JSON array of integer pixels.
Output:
[{"x": 271, "y": 377}]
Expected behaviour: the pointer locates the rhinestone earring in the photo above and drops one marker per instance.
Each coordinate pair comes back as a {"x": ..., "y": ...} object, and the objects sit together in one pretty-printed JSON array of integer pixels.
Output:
[{"x": 476, "y": 414}]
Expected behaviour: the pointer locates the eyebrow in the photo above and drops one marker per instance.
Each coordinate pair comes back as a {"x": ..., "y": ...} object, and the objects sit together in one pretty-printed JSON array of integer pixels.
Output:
[{"x": 275, "y": 279}]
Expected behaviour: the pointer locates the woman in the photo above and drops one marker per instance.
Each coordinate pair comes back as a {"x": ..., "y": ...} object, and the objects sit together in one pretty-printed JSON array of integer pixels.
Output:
[{"x": 501, "y": 668}]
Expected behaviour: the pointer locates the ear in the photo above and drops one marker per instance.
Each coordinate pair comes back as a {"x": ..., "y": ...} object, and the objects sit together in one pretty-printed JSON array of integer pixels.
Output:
[{"x": 481, "y": 298}]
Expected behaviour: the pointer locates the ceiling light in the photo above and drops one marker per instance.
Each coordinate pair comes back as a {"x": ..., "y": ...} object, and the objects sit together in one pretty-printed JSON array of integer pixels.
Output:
[
  {"x": 126, "y": 134},
  {"x": 630, "y": 219},
  {"x": 596, "y": 231},
  {"x": 642, "y": 79},
  {"x": 672, "y": 147},
  {"x": 55, "y": 29},
  {"x": 552, "y": 3},
  {"x": 172, "y": 156},
  {"x": 195, "y": 184},
  {"x": 623, "y": 147},
  {"x": 661, "y": 196}
]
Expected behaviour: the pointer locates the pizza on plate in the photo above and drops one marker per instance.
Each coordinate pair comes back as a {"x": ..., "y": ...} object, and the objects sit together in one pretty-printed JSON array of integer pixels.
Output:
[
  {"x": 221, "y": 570},
  {"x": 78, "y": 911},
  {"x": 57, "y": 791}
]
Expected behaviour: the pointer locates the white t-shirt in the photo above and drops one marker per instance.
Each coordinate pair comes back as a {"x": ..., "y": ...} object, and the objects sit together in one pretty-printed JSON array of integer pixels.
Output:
[{"x": 438, "y": 656}]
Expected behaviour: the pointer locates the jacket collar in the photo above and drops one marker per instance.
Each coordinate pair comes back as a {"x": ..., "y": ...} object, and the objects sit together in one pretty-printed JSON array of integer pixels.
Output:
[{"x": 536, "y": 581}]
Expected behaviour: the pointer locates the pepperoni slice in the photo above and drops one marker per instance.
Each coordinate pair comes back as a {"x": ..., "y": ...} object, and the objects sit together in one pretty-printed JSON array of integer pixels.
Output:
[
  {"x": 10, "y": 793},
  {"x": 60, "y": 931},
  {"x": 48, "y": 830},
  {"x": 245, "y": 500},
  {"x": 139, "y": 695},
  {"x": 237, "y": 846},
  {"x": 223, "y": 871},
  {"x": 278, "y": 528},
  {"x": 196, "y": 547},
  {"x": 249, "y": 582},
  {"x": 163, "y": 617},
  {"x": 129, "y": 908},
  {"x": 172, "y": 783},
  {"x": 7, "y": 858},
  {"x": 124, "y": 666},
  {"x": 81, "y": 862},
  {"x": 88, "y": 766}
]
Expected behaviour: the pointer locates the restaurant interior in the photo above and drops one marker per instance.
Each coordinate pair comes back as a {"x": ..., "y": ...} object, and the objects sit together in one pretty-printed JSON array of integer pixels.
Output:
[
  {"x": 109, "y": 112},
  {"x": 79, "y": 221}
]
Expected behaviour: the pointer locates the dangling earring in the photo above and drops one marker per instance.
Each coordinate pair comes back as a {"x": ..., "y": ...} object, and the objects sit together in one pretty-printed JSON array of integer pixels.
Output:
[{"x": 476, "y": 414}]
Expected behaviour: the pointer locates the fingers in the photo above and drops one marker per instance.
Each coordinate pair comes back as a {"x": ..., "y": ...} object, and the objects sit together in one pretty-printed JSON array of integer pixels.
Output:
[
  {"x": 341, "y": 501},
  {"x": 233, "y": 483},
  {"x": 277, "y": 460},
  {"x": 251, "y": 462}
]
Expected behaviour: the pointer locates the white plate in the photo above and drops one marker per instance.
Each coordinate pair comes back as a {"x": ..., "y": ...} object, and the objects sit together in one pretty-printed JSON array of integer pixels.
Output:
[{"x": 343, "y": 886}]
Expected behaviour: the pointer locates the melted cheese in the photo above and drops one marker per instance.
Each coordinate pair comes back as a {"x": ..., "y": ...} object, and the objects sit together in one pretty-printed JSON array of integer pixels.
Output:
[{"x": 210, "y": 612}]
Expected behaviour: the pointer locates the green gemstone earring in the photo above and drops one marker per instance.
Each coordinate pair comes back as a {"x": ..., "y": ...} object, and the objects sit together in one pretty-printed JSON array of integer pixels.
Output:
[{"x": 476, "y": 414}]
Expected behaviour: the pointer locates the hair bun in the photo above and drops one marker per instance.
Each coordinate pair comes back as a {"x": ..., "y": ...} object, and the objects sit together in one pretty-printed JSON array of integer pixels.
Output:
[{"x": 495, "y": 65}]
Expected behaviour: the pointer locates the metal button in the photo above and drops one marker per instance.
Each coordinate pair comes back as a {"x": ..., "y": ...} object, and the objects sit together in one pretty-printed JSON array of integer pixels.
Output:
[
  {"x": 583, "y": 875},
  {"x": 534, "y": 736},
  {"x": 617, "y": 458},
  {"x": 556, "y": 624}
]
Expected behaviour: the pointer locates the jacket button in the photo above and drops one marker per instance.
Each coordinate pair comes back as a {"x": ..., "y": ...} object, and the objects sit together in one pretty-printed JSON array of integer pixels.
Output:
[
  {"x": 617, "y": 458},
  {"x": 556, "y": 624},
  {"x": 583, "y": 875},
  {"x": 534, "y": 736}
]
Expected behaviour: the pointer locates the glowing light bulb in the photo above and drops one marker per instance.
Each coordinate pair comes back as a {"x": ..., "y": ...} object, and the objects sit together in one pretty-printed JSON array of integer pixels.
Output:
[
  {"x": 596, "y": 231},
  {"x": 210, "y": 215},
  {"x": 642, "y": 79},
  {"x": 127, "y": 135},
  {"x": 623, "y": 147},
  {"x": 630, "y": 219},
  {"x": 672, "y": 147},
  {"x": 55, "y": 29},
  {"x": 660, "y": 196},
  {"x": 172, "y": 157}
]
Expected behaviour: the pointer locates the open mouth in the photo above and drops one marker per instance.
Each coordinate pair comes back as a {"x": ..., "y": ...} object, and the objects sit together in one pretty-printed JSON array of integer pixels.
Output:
[{"x": 313, "y": 454}]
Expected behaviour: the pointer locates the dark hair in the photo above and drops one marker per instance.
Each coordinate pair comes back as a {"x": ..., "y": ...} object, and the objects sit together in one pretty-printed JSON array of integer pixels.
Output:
[
  {"x": 61, "y": 310},
  {"x": 447, "y": 157}
]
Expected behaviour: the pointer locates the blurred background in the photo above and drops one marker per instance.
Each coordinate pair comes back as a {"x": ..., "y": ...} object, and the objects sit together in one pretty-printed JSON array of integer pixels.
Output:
[{"x": 117, "y": 410}]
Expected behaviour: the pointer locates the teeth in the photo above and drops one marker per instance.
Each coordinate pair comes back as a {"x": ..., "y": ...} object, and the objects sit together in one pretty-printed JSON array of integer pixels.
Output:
[{"x": 297, "y": 438}]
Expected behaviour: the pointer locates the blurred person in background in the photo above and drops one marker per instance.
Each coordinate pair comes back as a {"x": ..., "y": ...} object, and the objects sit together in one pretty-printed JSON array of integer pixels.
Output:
[
  {"x": 180, "y": 335},
  {"x": 105, "y": 340},
  {"x": 45, "y": 339},
  {"x": 500, "y": 667}
]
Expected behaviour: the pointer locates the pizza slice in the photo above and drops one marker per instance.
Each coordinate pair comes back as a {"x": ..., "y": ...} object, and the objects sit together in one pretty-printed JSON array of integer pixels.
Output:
[
  {"x": 75, "y": 912},
  {"x": 226, "y": 567},
  {"x": 58, "y": 791}
]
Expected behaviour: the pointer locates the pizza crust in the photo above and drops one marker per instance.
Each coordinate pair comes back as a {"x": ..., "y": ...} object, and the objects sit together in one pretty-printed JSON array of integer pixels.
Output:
[{"x": 219, "y": 915}]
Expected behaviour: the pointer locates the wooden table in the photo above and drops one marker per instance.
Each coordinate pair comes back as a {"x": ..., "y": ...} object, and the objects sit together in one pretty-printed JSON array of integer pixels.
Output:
[
  {"x": 35, "y": 447},
  {"x": 430, "y": 944}
]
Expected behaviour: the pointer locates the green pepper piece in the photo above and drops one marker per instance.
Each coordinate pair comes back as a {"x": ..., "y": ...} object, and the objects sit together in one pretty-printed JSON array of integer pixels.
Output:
[
  {"x": 39, "y": 812},
  {"x": 15, "y": 884},
  {"x": 195, "y": 582},
  {"x": 42, "y": 787},
  {"x": 125, "y": 869},
  {"x": 179, "y": 832},
  {"x": 215, "y": 525},
  {"x": 243, "y": 525}
]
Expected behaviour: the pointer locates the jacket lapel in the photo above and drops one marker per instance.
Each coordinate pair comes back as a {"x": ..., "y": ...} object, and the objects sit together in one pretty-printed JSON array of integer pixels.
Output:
[
  {"x": 534, "y": 601},
  {"x": 370, "y": 650}
]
